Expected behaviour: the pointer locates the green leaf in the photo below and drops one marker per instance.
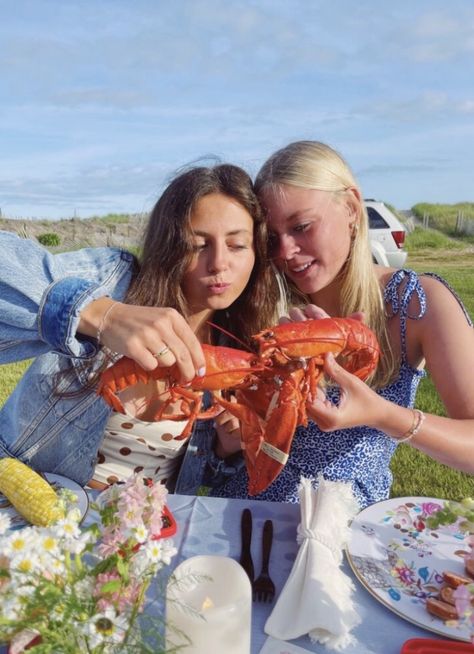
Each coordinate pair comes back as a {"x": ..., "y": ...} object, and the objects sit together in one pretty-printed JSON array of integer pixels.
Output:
[
  {"x": 107, "y": 564},
  {"x": 111, "y": 586},
  {"x": 122, "y": 569}
]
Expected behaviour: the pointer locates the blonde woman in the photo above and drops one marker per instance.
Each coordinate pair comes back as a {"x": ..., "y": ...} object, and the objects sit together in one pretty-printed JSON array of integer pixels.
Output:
[{"x": 319, "y": 241}]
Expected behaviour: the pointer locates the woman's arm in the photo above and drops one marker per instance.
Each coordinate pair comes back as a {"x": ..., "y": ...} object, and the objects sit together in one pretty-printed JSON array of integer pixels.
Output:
[
  {"x": 42, "y": 295},
  {"x": 59, "y": 302},
  {"x": 446, "y": 341}
]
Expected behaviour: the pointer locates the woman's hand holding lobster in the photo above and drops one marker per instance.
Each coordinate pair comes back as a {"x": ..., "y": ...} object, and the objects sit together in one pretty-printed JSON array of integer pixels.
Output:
[
  {"x": 356, "y": 397},
  {"x": 227, "y": 428},
  {"x": 313, "y": 312},
  {"x": 151, "y": 336},
  {"x": 358, "y": 405}
]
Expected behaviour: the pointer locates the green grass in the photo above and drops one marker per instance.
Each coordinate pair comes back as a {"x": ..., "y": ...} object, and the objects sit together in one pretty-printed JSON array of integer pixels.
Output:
[
  {"x": 113, "y": 218},
  {"x": 9, "y": 376},
  {"x": 443, "y": 217},
  {"x": 421, "y": 238},
  {"x": 415, "y": 473}
]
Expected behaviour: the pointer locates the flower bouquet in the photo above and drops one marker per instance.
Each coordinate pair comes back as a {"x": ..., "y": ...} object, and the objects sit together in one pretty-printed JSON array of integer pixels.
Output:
[
  {"x": 463, "y": 513},
  {"x": 64, "y": 591}
]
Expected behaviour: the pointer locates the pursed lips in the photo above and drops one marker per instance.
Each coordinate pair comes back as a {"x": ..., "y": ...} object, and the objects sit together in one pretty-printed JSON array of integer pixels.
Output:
[{"x": 218, "y": 287}]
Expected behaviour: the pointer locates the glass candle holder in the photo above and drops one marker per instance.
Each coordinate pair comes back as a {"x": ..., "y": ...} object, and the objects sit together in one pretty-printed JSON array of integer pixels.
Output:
[{"x": 208, "y": 606}]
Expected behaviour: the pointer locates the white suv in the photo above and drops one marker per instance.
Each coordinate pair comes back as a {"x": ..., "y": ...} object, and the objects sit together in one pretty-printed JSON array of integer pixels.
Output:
[{"x": 386, "y": 234}]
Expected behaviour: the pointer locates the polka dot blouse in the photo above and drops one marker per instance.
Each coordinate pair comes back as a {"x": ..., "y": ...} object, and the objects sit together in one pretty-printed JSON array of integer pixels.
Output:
[{"x": 132, "y": 445}]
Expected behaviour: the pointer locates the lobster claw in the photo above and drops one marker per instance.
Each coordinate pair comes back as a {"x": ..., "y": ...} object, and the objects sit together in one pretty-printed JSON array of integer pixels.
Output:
[
  {"x": 276, "y": 443},
  {"x": 251, "y": 428}
]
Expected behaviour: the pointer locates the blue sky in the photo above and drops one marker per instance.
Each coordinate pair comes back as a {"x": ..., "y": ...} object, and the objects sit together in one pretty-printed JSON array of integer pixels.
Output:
[{"x": 101, "y": 101}]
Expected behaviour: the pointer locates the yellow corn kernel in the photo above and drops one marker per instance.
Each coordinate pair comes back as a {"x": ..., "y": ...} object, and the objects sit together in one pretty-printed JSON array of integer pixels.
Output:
[{"x": 30, "y": 494}]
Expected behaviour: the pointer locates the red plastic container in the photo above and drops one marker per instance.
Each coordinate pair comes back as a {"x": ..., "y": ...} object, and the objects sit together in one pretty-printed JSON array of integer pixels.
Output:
[
  {"x": 432, "y": 646},
  {"x": 169, "y": 527}
]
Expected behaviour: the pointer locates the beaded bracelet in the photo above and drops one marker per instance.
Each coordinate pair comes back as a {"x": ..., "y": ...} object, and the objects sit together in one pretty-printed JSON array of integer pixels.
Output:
[
  {"x": 100, "y": 328},
  {"x": 418, "y": 419}
]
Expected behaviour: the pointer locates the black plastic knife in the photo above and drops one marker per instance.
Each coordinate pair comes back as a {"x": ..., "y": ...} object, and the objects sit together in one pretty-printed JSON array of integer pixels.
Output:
[{"x": 246, "y": 533}]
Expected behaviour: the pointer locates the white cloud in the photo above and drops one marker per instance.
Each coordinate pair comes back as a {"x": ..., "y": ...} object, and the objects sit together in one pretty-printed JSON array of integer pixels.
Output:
[{"x": 98, "y": 104}]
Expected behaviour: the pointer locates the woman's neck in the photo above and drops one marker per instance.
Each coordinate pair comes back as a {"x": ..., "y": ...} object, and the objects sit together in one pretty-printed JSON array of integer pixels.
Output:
[
  {"x": 200, "y": 325},
  {"x": 328, "y": 299}
]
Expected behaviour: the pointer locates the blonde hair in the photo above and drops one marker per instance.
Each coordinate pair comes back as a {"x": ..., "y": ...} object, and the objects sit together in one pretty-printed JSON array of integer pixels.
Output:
[{"x": 314, "y": 165}]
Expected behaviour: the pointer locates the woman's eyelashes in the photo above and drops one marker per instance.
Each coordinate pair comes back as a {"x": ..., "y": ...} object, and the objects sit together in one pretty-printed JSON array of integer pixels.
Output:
[
  {"x": 233, "y": 247},
  {"x": 273, "y": 239},
  {"x": 301, "y": 227}
]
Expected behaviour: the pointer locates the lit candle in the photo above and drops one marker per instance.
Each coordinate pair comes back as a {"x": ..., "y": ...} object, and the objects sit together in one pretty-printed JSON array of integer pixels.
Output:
[{"x": 208, "y": 606}]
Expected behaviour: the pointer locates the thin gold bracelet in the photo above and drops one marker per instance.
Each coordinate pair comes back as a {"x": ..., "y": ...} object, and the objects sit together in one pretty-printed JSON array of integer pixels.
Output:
[
  {"x": 100, "y": 329},
  {"x": 418, "y": 419}
]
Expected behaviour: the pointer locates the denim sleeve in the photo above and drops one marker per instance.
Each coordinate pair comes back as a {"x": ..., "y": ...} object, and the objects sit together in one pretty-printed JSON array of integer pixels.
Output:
[
  {"x": 201, "y": 470},
  {"x": 42, "y": 295},
  {"x": 218, "y": 471}
]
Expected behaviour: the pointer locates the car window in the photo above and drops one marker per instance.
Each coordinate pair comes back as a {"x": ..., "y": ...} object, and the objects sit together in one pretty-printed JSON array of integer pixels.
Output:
[{"x": 375, "y": 219}]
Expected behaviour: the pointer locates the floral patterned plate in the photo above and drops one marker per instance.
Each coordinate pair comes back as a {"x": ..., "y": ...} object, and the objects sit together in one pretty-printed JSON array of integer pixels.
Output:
[
  {"x": 400, "y": 560},
  {"x": 57, "y": 482}
]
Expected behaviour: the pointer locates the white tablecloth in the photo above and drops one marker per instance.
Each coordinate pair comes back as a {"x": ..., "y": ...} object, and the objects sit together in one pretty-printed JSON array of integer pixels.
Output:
[{"x": 212, "y": 526}]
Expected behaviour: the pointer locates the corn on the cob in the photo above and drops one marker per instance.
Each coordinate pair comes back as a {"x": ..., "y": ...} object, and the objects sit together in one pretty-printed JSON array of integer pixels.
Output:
[{"x": 30, "y": 494}]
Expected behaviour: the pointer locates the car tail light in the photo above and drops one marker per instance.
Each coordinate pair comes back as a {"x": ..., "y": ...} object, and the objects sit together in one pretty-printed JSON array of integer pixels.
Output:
[{"x": 399, "y": 238}]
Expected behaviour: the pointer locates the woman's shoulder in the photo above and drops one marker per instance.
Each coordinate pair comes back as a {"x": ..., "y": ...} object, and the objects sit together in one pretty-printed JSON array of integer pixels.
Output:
[
  {"x": 411, "y": 293},
  {"x": 401, "y": 288}
]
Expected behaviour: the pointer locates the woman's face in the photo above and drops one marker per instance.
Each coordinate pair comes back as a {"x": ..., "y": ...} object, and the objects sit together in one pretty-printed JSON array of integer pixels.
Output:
[
  {"x": 223, "y": 253},
  {"x": 310, "y": 234}
]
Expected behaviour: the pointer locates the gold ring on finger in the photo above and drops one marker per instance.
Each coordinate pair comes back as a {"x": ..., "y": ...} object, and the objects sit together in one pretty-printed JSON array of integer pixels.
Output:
[{"x": 162, "y": 352}]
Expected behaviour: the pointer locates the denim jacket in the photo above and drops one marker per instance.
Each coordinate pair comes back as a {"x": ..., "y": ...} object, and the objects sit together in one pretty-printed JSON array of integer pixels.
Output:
[{"x": 41, "y": 297}]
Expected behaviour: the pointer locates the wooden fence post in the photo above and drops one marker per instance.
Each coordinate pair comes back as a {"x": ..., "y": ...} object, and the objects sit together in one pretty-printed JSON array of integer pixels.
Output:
[{"x": 460, "y": 223}]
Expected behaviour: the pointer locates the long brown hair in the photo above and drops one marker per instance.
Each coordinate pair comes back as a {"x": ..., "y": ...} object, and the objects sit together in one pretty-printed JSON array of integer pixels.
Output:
[{"x": 168, "y": 248}]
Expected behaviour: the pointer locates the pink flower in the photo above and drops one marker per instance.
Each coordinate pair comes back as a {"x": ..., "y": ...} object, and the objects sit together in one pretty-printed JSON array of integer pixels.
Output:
[
  {"x": 112, "y": 540},
  {"x": 121, "y": 599},
  {"x": 406, "y": 575},
  {"x": 429, "y": 508}
]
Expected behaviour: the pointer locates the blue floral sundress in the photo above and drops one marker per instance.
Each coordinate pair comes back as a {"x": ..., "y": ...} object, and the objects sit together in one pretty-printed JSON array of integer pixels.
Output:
[{"x": 360, "y": 455}]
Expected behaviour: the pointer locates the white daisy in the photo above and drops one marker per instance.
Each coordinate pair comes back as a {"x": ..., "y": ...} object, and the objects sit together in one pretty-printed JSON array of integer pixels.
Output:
[
  {"x": 140, "y": 533},
  {"x": 48, "y": 544},
  {"x": 106, "y": 627},
  {"x": 153, "y": 551},
  {"x": 67, "y": 527},
  {"x": 13, "y": 544},
  {"x": 24, "y": 562}
]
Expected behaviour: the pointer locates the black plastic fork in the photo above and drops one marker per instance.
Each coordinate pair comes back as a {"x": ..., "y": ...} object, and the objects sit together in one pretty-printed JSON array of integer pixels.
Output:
[
  {"x": 263, "y": 587},
  {"x": 246, "y": 534}
]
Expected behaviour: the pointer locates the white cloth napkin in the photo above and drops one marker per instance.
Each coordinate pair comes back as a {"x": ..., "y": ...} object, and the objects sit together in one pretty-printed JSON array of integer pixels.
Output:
[{"x": 317, "y": 597}]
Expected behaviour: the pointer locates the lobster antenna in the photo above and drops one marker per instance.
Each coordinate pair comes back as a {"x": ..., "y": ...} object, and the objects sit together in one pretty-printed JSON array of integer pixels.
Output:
[{"x": 229, "y": 334}]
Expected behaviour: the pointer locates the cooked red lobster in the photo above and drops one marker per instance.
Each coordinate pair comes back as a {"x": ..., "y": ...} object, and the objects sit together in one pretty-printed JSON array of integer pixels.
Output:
[{"x": 271, "y": 388}]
